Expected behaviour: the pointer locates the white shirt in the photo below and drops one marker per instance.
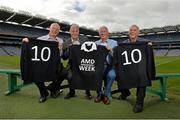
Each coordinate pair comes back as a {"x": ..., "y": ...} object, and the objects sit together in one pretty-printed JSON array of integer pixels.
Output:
[{"x": 75, "y": 42}]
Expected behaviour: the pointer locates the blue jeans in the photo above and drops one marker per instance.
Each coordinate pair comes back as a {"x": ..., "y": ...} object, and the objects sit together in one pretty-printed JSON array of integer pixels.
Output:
[{"x": 110, "y": 77}]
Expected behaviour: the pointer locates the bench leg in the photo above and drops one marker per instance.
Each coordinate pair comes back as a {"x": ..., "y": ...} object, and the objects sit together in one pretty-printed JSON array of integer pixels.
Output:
[
  {"x": 12, "y": 84},
  {"x": 163, "y": 85}
]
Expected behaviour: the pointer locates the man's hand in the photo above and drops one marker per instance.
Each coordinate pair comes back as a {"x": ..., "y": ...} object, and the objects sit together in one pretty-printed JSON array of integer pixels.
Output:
[
  {"x": 25, "y": 40},
  {"x": 109, "y": 48},
  {"x": 149, "y": 43},
  {"x": 60, "y": 46}
]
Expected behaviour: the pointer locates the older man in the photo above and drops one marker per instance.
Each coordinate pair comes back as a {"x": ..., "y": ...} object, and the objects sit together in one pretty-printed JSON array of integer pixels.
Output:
[
  {"x": 109, "y": 71},
  {"x": 73, "y": 40},
  {"x": 51, "y": 36},
  {"x": 141, "y": 90}
]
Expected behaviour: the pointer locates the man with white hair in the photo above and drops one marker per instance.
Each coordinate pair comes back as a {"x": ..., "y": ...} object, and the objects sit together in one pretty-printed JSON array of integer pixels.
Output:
[
  {"x": 141, "y": 89},
  {"x": 73, "y": 40},
  {"x": 51, "y": 36},
  {"x": 109, "y": 71}
]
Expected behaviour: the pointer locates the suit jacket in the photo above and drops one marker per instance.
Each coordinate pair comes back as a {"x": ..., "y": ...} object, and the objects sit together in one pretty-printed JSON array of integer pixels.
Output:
[{"x": 68, "y": 43}]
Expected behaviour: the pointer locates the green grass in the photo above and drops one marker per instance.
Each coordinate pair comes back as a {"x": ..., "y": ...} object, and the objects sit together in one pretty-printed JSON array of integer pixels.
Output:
[{"x": 24, "y": 103}]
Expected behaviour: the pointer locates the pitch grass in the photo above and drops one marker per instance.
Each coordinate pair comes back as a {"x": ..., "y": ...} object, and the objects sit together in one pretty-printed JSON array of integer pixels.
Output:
[{"x": 24, "y": 103}]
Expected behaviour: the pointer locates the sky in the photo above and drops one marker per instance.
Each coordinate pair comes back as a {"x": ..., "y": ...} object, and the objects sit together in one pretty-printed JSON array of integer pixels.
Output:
[{"x": 117, "y": 15}]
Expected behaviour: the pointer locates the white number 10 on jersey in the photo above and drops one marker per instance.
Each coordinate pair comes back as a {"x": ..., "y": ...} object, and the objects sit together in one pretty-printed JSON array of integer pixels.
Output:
[
  {"x": 35, "y": 48},
  {"x": 132, "y": 57}
]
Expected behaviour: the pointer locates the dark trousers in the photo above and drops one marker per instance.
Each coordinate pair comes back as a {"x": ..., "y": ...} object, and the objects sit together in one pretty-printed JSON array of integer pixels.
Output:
[
  {"x": 101, "y": 89},
  {"x": 140, "y": 94},
  {"x": 42, "y": 88},
  {"x": 63, "y": 74},
  {"x": 69, "y": 78}
]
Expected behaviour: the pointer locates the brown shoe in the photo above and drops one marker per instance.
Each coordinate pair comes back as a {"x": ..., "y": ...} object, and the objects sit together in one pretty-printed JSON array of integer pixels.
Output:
[
  {"x": 106, "y": 100},
  {"x": 98, "y": 99}
]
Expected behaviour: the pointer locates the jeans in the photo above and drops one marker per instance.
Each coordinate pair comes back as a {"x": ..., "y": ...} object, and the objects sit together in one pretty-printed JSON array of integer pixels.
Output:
[{"x": 110, "y": 77}]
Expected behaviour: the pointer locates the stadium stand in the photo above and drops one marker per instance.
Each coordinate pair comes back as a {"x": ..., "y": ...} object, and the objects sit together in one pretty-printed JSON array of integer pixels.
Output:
[
  {"x": 16, "y": 25},
  {"x": 11, "y": 50},
  {"x": 174, "y": 52},
  {"x": 162, "y": 52},
  {"x": 166, "y": 40},
  {"x": 2, "y": 52}
]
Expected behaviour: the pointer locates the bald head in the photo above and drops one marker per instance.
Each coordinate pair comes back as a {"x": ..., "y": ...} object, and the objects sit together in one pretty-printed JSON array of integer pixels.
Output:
[{"x": 54, "y": 30}]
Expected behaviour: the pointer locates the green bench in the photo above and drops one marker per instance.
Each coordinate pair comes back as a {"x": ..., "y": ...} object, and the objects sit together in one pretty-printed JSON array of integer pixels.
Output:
[
  {"x": 162, "y": 89},
  {"x": 12, "y": 76}
]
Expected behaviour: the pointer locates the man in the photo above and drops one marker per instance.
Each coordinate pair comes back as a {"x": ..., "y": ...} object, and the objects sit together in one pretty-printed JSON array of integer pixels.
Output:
[
  {"x": 141, "y": 91},
  {"x": 74, "y": 40},
  {"x": 109, "y": 71},
  {"x": 52, "y": 36}
]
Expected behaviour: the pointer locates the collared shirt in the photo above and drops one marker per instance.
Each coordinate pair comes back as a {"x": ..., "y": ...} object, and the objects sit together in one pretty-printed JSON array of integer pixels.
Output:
[
  {"x": 75, "y": 42},
  {"x": 139, "y": 39},
  {"x": 111, "y": 43},
  {"x": 48, "y": 38}
]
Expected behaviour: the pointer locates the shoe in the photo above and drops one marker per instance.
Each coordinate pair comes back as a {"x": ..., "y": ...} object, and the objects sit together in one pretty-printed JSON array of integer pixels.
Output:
[
  {"x": 98, "y": 99},
  {"x": 49, "y": 87},
  {"x": 106, "y": 100},
  {"x": 88, "y": 96},
  {"x": 123, "y": 97},
  {"x": 43, "y": 98},
  {"x": 56, "y": 93},
  {"x": 138, "y": 108},
  {"x": 69, "y": 95}
]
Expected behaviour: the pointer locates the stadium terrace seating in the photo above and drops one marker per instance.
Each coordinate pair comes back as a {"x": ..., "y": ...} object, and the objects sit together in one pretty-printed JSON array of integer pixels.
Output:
[
  {"x": 20, "y": 32},
  {"x": 173, "y": 52},
  {"x": 161, "y": 37},
  {"x": 12, "y": 34},
  {"x": 2, "y": 52},
  {"x": 9, "y": 50},
  {"x": 161, "y": 52},
  {"x": 164, "y": 37}
]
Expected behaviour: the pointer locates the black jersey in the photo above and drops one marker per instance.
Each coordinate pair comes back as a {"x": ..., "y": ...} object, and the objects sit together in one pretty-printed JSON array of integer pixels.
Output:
[
  {"x": 134, "y": 64},
  {"x": 87, "y": 65},
  {"x": 39, "y": 61}
]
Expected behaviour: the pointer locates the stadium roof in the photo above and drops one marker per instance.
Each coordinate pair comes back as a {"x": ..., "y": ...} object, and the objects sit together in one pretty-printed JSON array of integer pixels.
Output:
[{"x": 25, "y": 18}]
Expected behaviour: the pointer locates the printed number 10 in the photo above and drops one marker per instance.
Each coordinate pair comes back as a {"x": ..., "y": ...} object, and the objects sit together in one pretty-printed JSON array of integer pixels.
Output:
[
  {"x": 132, "y": 57},
  {"x": 42, "y": 54}
]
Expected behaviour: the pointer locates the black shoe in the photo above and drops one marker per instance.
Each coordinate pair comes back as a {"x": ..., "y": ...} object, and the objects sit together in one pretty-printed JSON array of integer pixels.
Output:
[
  {"x": 123, "y": 97},
  {"x": 56, "y": 93},
  {"x": 69, "y": 95},
  {"x": 49, "y": 87},
  {"x": 88, "y": 95},
  {"x": 43, "y": 98},
  {"x": 138, "y": 108}
]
